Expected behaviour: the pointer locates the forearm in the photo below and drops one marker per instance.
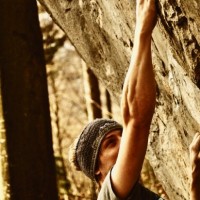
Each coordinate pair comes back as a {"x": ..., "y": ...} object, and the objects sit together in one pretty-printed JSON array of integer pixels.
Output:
[
  {"x": 138, "y": 100},
  {"x": 139, "y": 89}
]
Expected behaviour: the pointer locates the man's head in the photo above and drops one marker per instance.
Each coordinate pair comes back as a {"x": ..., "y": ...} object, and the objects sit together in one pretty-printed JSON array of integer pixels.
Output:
[
  {"x": 108, "y": 154},
  {"x": 85, "y": 150}
]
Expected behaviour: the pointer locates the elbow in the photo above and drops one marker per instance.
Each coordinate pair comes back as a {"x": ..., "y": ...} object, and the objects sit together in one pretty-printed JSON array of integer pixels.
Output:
[
  {"x": 140, "y": 113},
  {"x": 138, "y": 108}
]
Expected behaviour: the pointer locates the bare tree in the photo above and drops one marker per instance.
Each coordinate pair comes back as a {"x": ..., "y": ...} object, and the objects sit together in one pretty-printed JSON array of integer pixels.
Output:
[
  {"x": 92, "y": 93},
  {"x": 25, "y": 103},
  {"x": 108, "y": 104},
  {"x": 4, "y": 176}
]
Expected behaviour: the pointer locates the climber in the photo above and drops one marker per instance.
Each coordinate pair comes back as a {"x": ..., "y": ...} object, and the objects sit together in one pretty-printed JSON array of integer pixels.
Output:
[{"x": 111, "y": 154}]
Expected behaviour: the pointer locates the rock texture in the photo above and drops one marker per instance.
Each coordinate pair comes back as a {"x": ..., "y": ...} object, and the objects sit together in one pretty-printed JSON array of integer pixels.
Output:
[{"x": 102, "y": 32}]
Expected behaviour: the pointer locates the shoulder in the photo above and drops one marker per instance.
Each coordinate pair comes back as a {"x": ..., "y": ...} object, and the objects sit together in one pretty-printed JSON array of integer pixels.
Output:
[
  {"x": 137, "y": 193},
  {"x": 106, "y": 191}
]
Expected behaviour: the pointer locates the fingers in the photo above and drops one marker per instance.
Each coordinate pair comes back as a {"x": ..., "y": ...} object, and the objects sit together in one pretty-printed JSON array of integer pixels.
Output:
[
  {"x": 194, "y": 151},
  {"x": 146, "y": 16},
  {"x": 196, "y": 135},
  {"x": 195, "y": 145},
  {"x": 142, "y": 1},
  {"x": 147, "y": 2}
]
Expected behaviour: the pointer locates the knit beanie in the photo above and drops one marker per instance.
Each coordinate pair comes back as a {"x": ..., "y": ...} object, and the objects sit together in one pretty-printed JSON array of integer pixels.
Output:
[{"x": 84, "y": 152}]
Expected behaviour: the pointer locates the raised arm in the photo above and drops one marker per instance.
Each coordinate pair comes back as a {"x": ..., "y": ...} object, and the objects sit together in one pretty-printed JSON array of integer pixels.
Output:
[
  {"x": 195, "y": 168},
  {"x": 138, "y": 102}
]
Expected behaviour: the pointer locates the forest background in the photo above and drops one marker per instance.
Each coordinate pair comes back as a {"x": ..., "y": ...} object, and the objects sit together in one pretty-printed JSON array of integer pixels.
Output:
[{"x": 75, "y": 97}]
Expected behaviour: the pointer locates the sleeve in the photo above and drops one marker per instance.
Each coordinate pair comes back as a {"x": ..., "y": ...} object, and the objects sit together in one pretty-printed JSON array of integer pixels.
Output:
[
  {"x": 138, "y": 192},
  {"x": 106, "y": 191}
]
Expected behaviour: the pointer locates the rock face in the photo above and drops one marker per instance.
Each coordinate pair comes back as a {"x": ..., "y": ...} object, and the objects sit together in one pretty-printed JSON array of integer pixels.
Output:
[{"x": 102, "y": 32}]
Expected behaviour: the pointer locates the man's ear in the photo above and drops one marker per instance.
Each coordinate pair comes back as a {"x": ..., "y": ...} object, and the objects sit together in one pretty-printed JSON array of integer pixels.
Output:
[
  {"x": 98, "y": 175},
  {"x": 97, "y": 172}
]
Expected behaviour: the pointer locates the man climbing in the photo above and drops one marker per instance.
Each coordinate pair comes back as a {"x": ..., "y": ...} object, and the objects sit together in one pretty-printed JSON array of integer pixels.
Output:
[
  {"x": 109, "y": 153},
  {"x": 112, "y": 154}
]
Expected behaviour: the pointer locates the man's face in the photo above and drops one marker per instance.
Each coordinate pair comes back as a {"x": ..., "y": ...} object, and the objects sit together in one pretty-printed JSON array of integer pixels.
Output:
[{"x": 108, "y": 152}]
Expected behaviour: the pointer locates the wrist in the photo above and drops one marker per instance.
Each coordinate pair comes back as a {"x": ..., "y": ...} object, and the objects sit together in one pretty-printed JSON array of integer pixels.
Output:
[
  {"x": 142, "y": 39},
  {"x": 143, "y": 35}
]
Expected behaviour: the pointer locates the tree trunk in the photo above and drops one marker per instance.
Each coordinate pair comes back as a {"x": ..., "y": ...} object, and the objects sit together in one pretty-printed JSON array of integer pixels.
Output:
[
  {"x": 25, "y": 103},
  {"x": 102, "y": 32},
  {"x": 108, "y": 104},
  {"x": 4, "y": 176},
  {"x": 92, "y": 93}
]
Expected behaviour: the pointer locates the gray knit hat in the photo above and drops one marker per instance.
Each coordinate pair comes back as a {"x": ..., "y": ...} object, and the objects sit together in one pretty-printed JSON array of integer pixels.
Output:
[{"x": 85, "y": 150}]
